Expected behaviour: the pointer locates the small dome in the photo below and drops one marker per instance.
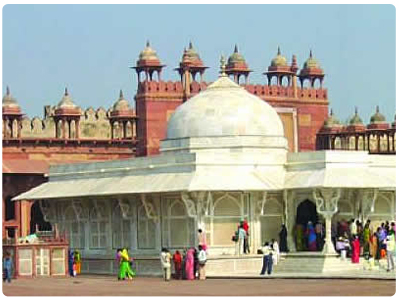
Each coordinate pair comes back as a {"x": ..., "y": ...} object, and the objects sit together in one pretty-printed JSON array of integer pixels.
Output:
[
  {"x": 331, "y": 120},
  {"x": 121, "y": 104},
  {"x": 279, "y": 60},
  {"x": 66, "y": 101},
  {"x": 377, "y": 117},
  {"x": 9, "y": 100},
  {"x": 235, "y": 57},
  {"x": 191, "y": 53},
  {"x": 356, "y": 120},
  {"x": 148, "y": 53},
  {"x": 225, "y": 109},
  {"x": 311, "y": 62}
]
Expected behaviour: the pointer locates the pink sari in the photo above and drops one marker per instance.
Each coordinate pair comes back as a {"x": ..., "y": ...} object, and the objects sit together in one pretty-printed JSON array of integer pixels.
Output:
[
  {"x": 355, "y": 251},
  {"x": 190, "y": 264}
]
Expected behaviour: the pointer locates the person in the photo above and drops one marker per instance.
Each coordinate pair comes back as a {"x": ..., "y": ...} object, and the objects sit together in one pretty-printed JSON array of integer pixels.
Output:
[
  {"x": 267, "y": 259},
  {"x": 201, "y": 263},
  {"x": 299, "y": 237},
  {"x": 393, "y": 228},
  {"x": 374, "y": 246},
  {"x": 202, "y": 239},
  {"x": 380, "y": 245},
  {"x": 283, "y": 239},
  {"x": 355, "y": 250},
  {"x": 177, "y": 260},
  {"x": 235, "y": 240},
  {"x": 165, "y": 263},
  {"x": 311, "y": 234},
  {"x": 341, "y": 248},
  {"x": 125, "y": 270},
  {"x": 7, "y": 264},
  {"x": 366, "y": 239},
  {"x": 353, "y": 229},
  {"x": 78, "y": 262},
  {"x": 183, "y": 266},
  {"x": 190, "y": 264},
  {"x": 390, "y": 242},
  {"x": 241, "y": 238},
  {"x": 245, "y": 226},
  {"x": 319, "y": 236},
  {"x": 276, "y": 251},
  {"x": 118, "y": 261},
  {"x": 195, "y": 270},
  {"x": 70, "y": 262}
]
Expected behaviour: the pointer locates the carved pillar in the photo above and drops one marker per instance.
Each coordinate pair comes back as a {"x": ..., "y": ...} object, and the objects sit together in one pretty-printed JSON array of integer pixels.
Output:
[
  {"x": 367, "y": 199},
  {"x": 288, "y": 197},
  {"x": 327, "y": 205},
  {"x": 258, "y": 201},
  {"x": 77, "y": 127}
]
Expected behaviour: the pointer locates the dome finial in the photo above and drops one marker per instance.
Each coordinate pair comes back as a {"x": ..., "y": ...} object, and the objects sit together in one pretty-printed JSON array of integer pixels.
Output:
[
  {"x": 222, "y": 66},
  {"x": 190, "y": 45},
  {"x": 235, "y": 48},
  {"x": 8, "y": 90},
  {"x": 148, "y": 43},
  {"x": 378, "y": 108},
  {"x": 120, "y": 94},
  {"x": 278, "y": 50},
  {"x": 310, "y": 54},
  {"x": 331, "y": 112},
  {"x": 355, "y": 110},
  {"x": 66, "y": 91}
]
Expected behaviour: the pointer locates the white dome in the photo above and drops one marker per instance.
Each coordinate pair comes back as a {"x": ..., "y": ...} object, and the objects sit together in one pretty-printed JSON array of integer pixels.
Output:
[{"x": 224, "y": 109}]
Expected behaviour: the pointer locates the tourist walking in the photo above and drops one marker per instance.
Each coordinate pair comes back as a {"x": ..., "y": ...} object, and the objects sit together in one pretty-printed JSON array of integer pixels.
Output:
[
  {"x": 177, "y": 260},
  {"x": 390, "y": 242},
  {"x": 283, "y": 239},
  {"x": 165, "y": 264},
  {"x": 267, "y": 259},
  {"x": 125, "y": 270},
  {"x": 7, "y": 267},
  {"x": 201, "y": 263},
  {"x": 190, "y": 264}
]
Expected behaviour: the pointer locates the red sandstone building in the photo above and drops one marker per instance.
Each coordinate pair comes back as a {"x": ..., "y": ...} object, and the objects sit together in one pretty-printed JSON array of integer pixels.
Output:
[{"x": 67, "y": 134}]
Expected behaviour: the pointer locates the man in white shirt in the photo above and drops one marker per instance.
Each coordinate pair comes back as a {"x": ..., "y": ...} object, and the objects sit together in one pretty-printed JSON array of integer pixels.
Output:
[
  {"x": 165, "y": 262},
  {"x": 201, "y": 262}
]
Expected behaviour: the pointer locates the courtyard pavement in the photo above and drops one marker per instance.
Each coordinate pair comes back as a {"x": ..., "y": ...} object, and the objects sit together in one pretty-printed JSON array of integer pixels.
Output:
[{"x": 91, "y": 285}]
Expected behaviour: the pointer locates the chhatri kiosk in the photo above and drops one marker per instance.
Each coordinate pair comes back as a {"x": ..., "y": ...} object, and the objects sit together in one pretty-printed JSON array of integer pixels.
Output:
[{"x": 224, "y": 159}]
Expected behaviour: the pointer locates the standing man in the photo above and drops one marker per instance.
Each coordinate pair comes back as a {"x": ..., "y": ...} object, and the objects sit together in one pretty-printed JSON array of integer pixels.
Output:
[
  {"x": 241, "y": 239},
  {"x": 246, "y": 240},
  {"x": 165, "y": 262},
  {"x": 267, "y": 259},
  {"x": 390, "y": 242}
]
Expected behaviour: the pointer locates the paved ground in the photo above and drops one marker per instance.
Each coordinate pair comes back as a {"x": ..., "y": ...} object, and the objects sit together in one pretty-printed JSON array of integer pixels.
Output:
[{"x": 109, "y": 286}]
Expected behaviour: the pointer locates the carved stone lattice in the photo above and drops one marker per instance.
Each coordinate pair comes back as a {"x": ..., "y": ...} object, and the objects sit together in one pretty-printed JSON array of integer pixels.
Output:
[
  {"x": 48, "y": 210},
  {"x": 190, "y": 205},
  {"x": 368, "y": 198},
  {"x": 150, "y": 208},
  {"x": 124, "y": 207}
]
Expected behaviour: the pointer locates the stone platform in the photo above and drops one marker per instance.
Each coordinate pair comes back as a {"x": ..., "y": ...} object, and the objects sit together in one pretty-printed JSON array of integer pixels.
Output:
[{"x": 294, "y": 265}]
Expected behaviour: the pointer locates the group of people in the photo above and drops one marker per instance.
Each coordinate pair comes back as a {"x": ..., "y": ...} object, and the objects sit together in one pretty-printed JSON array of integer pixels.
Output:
[
  {"x": 309, "y": 237},
  {"x": 188, "y": 265},
  {"x": 74, "y": 262},
  {"x": 241, "y": 238},
  {"x": 353, "y": 239},
  {"x": 271, "y": 256},
  {"x": 126, "y": 270}
]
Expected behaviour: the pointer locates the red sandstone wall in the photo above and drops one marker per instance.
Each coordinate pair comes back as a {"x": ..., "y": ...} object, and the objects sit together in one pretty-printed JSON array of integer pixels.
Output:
[{"x": 155, "y": 101}]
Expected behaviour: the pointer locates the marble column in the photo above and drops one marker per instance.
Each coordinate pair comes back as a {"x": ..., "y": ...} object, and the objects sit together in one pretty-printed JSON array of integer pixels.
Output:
[
  {"x": 290, "y": 218},
  {"x": 327, "y": 205}
]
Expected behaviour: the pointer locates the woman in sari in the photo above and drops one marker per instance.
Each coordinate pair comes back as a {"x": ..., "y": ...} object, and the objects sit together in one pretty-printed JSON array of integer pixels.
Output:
[
  {"x": 355, "y": 250},
  {"x": 374, "y": 245},
  {"x": 190, "y": 264},
  {"x": 125, "y": 269},
  {"x": 366, "y": 239},
  {"x": 177, "y": 259},
  {"x": 311, "y": 234}
]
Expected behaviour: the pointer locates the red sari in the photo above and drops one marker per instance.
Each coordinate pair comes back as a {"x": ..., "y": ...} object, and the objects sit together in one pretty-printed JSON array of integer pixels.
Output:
[
  {"x": 177, "y": 259},
  {"x": 355, "y": 251}
]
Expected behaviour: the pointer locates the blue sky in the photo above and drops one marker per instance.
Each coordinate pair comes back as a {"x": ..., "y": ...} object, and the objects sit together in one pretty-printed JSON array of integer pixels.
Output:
[{"x": 89, "y": 48}]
